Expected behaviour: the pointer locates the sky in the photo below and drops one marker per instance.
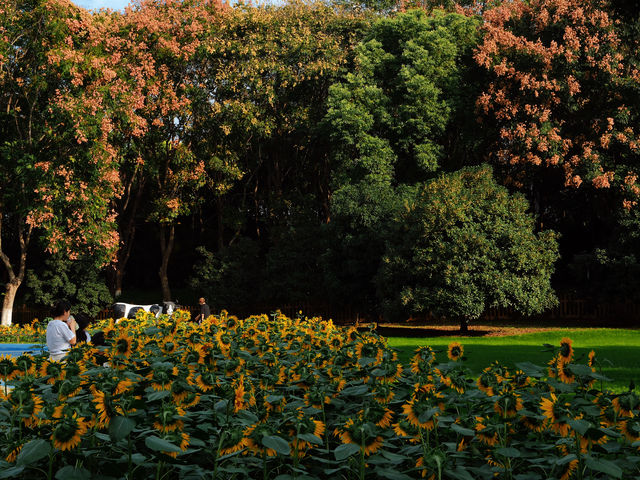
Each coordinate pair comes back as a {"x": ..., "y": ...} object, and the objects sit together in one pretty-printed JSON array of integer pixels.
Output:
[{"x": 97, "y": 4}]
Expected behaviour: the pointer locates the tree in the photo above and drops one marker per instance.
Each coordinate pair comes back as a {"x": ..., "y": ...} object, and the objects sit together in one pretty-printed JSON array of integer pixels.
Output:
[
  {"x": 394, "y": 121},
  {"x": 81, "y": 282},
  {"x": 464, "y": 244},
  {"x": 150, "y": 81},
  {"x": 564, "y": 93},
  {"x": 268, "y": 71},
  {"x": 58, "y": 176}
]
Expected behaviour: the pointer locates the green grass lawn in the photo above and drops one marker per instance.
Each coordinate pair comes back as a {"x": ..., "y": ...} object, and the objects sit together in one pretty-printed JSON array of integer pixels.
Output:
[{"x": 619, "y": 346}]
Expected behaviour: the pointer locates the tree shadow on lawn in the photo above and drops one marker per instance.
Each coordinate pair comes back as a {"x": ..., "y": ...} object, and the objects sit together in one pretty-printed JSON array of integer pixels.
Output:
[{"x": 426, "y": 332}]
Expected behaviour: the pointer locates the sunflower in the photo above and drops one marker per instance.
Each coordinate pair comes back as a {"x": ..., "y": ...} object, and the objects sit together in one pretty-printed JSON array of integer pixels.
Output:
[
  {"x": 352, "y": 432},
  {"x": 253, "y": 440},
  {"x": 590, "y": 438},
  {"x": 487, "y": 434},
  {"x": 316, "y": 397},
  {"x": 383, "y": 393},
  {"x": 68, "y": 432},
  {"x": 233, "y": 440},
  {"x": 508, "y": 405},
  {"x": 405, "y": 430},
  {"x": 566, "y": 350},
  {"x": 625, "y": 404},
  {"x": 369, "y": 348},
  {"x": 168, "y": 345},
  {"x": 25, "y": 365},
  {"x": 381, "y": 416},
  {"x": 181, "y": 438},
  {"x": 336, "y": 342},
  {"x": 26, "y": 405},
  {"x": 569, "y": 470},
  {"x": 240, "y": 402},
  {"x": 592, "y": 359},
  {"x": 169, "y": 418},
  {"x": 223, "y": 340},
  {"x": 521, "y": 379},
  {"x": 555, "y": 413},
  {"x": 630, "y": 428},
  {"x": 13, "y": 454},
  {"x": 424, "y": 471},
  {"x": 70, "y": 387},
  {"x": 207, "y": 380},
  {"x": 162, "y": 376},
  {"x": 53, "y": 370},
  {"x": 456, "y": 381},
  {"x": 122, "y": 344},
  {"x": 195, "y": 354},
  {"x": 455, "y": 351},
  {"x": 422, "y": 360},
  {"x": 426, "y": 403},
  {"x": 103, "y": 404},
  {"x": 564, "y": 372},
  {"x": 486, "y": 380},
  {"x": 305, "y": 425},
  {"x": 535, "y": 423},
  {"x": 7, "y": 367}
]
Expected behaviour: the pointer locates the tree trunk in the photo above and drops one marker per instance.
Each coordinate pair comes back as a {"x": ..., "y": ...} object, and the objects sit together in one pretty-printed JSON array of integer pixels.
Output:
[
  {"x": 7, "y": 306},
  {"x": 220, "y": 224},
  {"x": 127, "y": 232},
  {"x": 464, "y": 325},
  {"x": 166, "y": 247},
  {"x": 14, "y": 280}
]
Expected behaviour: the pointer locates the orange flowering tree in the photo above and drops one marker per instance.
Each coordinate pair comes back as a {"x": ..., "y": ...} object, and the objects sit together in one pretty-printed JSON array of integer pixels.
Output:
[
  {"x": 564, "y": 95},
  {"x": 150, "y": 81},
  {"x": 58, "y": 175}
]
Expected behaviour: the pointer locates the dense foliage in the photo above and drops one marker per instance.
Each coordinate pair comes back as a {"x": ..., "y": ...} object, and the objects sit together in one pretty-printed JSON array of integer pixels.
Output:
[
  {"x": 273, "y": 146},
  {"x": 463, "y": 244},
  {"x": 300, "y": 398}
]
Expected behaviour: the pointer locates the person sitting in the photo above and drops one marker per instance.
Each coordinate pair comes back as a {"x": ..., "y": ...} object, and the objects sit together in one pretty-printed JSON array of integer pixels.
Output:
[
  {"x": 61, "y": 331},
  {"x": 83, "y": 322}
]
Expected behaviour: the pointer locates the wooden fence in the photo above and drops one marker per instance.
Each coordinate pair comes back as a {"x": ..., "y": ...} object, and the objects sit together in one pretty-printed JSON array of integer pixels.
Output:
[{"x": 569, "y": 310}]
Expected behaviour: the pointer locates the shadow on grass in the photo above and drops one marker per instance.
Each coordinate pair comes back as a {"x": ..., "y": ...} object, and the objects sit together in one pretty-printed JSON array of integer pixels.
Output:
[{"x": 429, "y": 332}]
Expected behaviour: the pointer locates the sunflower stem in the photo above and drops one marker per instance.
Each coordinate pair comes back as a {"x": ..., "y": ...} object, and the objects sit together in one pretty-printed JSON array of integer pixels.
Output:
[{"x": 51, "y": 454}]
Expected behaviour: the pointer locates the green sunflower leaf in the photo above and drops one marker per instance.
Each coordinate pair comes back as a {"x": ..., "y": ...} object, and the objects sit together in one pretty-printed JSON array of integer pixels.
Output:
[
  {"x": 462, "y": 430},
  {"x": 120, "y": 427},
  {"x": 33, "y": 451},
  {"x": 161, "y": 445},
  {"x": 345, "y": 450},
  {"x": 604, "y": 466},
  {"x": 580, "y": 426},
  {"x": 152, "y": 397},
  {"x": 11, "y": 472},
  {"x": 509, "y": 452},
  {"x": 392, "y": 474},
  {"x": 71, "y": 473},
  {"x": 276, "y": 443},
  {"x": 310, "y": 437}
]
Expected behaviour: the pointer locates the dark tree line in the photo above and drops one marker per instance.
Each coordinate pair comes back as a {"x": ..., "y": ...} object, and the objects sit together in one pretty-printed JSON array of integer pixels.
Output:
[{"x": 395, "y": 158}]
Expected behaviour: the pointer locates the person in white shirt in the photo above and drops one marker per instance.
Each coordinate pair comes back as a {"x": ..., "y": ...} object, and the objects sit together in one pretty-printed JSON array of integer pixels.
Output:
[{"x": 61, "y": 331}]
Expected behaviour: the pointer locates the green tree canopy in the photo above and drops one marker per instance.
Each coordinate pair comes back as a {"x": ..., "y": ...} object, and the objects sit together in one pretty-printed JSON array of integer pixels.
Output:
[{"x": 463, "y": 244}]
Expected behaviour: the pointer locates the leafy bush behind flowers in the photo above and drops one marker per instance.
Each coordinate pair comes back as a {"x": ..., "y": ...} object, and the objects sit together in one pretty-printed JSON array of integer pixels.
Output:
[{"x": 300, "y": 398}]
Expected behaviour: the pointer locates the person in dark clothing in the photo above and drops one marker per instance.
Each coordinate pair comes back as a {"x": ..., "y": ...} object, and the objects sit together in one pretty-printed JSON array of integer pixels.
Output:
[
  {"x": 83, "y": 322},
  {"x": 205, "y": 311}
]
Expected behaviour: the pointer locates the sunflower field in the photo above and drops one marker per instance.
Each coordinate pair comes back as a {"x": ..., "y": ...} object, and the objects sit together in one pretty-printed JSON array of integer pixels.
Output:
[{"x": 281, "y": 398}]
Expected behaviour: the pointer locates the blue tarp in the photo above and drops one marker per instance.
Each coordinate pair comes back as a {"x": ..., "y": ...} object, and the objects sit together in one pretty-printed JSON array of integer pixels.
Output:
[{"x": 17, "y": 349}]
